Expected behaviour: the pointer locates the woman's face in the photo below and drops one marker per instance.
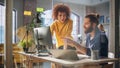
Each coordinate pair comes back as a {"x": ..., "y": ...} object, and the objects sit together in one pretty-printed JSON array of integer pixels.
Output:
[{"x": 61, "y": 16}]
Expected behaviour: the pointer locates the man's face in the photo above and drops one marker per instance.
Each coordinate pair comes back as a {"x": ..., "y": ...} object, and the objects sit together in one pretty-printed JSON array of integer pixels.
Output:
[
  {"x": 87, "y": 26},
  {"x": 61, "y": 16}
]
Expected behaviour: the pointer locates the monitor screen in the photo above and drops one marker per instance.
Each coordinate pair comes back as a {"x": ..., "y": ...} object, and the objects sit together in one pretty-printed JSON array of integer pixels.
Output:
[{"x": 42, "y": 36}]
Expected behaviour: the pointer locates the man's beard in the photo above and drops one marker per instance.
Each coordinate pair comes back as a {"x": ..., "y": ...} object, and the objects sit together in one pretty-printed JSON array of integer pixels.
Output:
[{"x": 89, "y": 30}]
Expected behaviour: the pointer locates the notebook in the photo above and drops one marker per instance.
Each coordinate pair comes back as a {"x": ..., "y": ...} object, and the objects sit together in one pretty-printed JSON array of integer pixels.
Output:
[{"x": 70, "y": 55}]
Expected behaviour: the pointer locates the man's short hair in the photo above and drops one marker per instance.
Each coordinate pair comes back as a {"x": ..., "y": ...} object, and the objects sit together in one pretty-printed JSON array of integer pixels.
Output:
[{"x": 93, "y": 18}]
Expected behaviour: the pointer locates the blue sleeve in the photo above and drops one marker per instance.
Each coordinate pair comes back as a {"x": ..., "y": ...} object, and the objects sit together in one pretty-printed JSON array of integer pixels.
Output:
[{"x": 104, "y": 46}]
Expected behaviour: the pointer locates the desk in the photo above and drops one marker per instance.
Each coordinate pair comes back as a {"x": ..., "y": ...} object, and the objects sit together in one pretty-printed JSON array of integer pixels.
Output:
[
  {"x": 1, "y": 58},
  {"x": 2, "y": 62},
  {"x": 73, "y": 64},
  {"x": 1, "y": 54}
]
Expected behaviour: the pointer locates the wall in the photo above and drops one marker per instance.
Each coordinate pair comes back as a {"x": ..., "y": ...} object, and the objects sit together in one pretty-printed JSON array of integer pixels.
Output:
[
  {"x": 90, "y": 9},
  {"x": 103, "y": 9},
  {"x": 76, "y": 8},
  {"x": 46, "y": 4},
  {"x": 29, "y": 5},
  {"x": 18, "y": 5}
]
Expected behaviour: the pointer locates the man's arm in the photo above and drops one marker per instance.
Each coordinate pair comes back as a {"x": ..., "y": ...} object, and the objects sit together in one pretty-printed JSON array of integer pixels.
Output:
[
  {"x": 104, "y": 46},
  {"x": 79, "y": 48}
]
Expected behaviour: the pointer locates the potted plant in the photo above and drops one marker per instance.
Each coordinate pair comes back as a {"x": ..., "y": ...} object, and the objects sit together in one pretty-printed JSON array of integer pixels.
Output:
[
  {"x": 25, "y": 33},
  {"x": 26, "y": 38},
  {"x": 25, "y": 44}
]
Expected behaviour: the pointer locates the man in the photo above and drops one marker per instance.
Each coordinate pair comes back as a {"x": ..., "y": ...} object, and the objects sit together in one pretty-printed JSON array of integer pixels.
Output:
[{"x": 95, "y": 39}]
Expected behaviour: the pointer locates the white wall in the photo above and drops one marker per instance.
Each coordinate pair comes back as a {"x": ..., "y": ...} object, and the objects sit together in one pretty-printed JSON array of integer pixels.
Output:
[
  {"x": 76, "y": 8},
  {"x": 47, "y": 4},
  {"x": 103, "y": 9}
]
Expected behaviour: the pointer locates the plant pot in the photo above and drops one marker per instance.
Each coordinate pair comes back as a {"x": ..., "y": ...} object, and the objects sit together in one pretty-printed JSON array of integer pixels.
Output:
[{"x": 25, "y": 50}]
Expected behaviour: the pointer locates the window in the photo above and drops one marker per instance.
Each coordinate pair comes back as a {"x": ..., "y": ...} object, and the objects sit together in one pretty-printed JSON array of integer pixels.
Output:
[
  {"x": 47, "y": 16},
  {"x": 2, "y": 24},
  {"x": 14, "y": 24},
  {"x": 75, "y": 19}
]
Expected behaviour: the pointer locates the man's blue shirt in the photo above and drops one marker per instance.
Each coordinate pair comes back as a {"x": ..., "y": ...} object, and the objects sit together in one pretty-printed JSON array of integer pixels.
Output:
[{"x": 99, "y": 42}]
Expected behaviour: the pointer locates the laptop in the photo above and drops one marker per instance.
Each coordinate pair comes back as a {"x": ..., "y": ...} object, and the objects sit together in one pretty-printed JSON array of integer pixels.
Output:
[{"x": 70, "y": 55}]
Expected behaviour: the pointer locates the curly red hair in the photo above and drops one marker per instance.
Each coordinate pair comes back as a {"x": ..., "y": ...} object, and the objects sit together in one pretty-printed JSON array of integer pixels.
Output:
[{"x": 60, "y": 8}]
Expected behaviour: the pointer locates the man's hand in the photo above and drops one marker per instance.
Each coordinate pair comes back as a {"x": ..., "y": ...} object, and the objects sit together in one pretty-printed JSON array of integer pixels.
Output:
[
  {"x": 69, "y": 41},
  {"x": 72, "y": 43}
]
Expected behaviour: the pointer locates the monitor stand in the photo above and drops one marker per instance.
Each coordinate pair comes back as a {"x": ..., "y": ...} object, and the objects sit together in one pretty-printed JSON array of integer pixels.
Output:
[
  {"x": 43, "y": 54},
  {"x": 42, "y": 51}
]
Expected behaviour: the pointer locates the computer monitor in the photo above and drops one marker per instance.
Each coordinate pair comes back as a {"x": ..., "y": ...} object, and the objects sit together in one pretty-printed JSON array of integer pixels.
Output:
[{"x": 43, "y": 39}]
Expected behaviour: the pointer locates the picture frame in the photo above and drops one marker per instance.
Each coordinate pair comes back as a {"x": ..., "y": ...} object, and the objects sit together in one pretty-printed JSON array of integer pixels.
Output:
[
  {"x": 107, "y": 19},
  {"x": 101, "y": 19}
]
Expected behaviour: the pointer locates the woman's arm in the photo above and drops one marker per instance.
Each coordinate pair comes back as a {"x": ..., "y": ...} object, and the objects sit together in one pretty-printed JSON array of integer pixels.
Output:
[{"x": 52, "y": 28}]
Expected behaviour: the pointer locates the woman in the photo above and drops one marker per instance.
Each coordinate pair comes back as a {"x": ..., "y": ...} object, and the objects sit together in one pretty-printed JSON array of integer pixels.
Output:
[{"x": 62, "y": 25}]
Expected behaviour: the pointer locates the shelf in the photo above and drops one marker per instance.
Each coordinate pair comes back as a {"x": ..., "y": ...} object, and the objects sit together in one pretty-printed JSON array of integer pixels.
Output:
[{"x": 105, "y": 23}]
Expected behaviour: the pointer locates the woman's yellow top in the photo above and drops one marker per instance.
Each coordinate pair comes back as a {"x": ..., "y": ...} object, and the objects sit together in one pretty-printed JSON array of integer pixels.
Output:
[{"x": 61, "y": 30}]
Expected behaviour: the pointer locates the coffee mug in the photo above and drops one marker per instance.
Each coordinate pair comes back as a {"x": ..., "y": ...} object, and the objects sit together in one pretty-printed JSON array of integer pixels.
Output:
[{"x": 95, "y": 54}]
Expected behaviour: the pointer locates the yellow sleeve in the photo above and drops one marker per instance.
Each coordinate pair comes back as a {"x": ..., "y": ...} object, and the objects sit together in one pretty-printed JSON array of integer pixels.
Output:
[
  {"x": 69, "y": 33},
  {"x": 52, "y": 28}
]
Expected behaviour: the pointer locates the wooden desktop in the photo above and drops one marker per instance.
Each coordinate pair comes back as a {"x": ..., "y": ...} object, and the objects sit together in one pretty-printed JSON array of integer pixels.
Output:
[{"x": 32, "y": 58}]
